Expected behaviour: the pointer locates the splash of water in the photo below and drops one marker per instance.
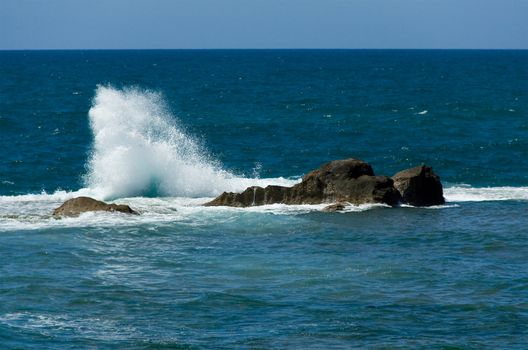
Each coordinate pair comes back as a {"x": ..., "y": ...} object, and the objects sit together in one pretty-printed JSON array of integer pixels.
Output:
[{"x": 140, "y": 150}]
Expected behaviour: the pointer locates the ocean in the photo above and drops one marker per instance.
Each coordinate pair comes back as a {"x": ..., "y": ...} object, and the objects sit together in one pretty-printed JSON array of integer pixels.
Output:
[{"x": 167, "y": 130}]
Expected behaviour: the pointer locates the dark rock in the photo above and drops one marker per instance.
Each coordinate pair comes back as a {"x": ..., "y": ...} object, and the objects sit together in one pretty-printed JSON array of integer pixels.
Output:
[
  {"x": 364, "y": 189},
  {"x": 348, "y": 180},
  {"x": 76, "y": 206},
  {"x": 244, "y": 199},
  {"x": 335, "y": 207},
  {"x": 419, "y": 186},
  {"x": 325, "y": 183},
  {"x": 276, "y": 194},
  {"x": 252, "y": 196}
]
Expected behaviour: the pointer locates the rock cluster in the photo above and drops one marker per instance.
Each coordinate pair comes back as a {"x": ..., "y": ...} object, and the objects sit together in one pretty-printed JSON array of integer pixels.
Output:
[
  {"x": 338, "y": 183},
  {"x": 345, "y": 181},
  {"x": 76, "y": 206}
]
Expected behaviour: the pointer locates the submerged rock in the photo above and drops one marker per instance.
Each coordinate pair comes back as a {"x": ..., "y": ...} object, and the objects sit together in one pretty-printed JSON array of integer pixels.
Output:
[
  {"x": 339, "y": 206},
  {"x": 76, "y": 206},
  {"x": 419, "y": 186},
  {"x": 348, "y": 180}
]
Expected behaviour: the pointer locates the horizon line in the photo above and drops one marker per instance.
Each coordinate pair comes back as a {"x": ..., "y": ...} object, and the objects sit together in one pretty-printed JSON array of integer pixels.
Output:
[{"x": 265, "y": 49}]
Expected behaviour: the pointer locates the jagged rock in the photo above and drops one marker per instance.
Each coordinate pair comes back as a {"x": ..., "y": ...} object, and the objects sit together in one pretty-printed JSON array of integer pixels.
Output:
[
  {"x": 252, "y": 196},
  {"x": 76, "y": 206},
  {"x": 419, "y": 186},
  {"x": 348, "y": 180}
]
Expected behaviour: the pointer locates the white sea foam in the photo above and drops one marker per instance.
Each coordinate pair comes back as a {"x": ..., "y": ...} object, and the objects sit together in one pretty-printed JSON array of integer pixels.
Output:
[
  {"x": 36, "y": 214},
  {"x": 466, "y": 193},
  {"x": 52, "y": 324},
  {"x": 432, "y": 207},
  {"x": 33, "y": 211},
  {"x": 140, "y": 150}
]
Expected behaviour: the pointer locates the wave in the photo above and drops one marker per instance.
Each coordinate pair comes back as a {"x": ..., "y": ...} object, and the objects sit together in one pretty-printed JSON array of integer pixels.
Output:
[{"x": 140, "y": 149}]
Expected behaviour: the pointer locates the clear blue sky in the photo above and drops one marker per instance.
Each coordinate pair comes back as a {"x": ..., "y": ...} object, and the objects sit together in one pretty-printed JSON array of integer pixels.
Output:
[{"x": 122, "y": 24}]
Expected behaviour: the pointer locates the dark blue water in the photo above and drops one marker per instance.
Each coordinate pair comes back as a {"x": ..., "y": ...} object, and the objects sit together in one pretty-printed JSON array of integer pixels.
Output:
[{"x": 165, "y": 130}]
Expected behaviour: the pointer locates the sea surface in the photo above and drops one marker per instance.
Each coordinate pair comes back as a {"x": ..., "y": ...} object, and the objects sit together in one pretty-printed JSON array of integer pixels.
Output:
[{"x": 166, "y": 131}]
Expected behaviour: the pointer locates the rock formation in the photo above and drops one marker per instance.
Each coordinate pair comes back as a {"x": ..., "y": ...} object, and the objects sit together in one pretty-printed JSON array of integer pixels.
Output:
[
  {"x": 254, "y": 195},
  {"x": 76, "y": 206},
  {"x": 338, "y": 183},
  {"x": 419, "y": 186},
  {"x": 348, "y": 180}
]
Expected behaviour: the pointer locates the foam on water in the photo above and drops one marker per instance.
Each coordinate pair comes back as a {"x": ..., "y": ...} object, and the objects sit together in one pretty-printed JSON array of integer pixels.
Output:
[
  {"x": 466, "y": 193},
  {"x": 52, "y": 325},
  {"x": 33, "y": 211},
  {"x": 35, "y": 215},
  {"x": 140, "y": 150}
]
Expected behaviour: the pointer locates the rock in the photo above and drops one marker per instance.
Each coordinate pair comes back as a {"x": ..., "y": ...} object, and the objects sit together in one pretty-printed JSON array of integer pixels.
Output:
[
  {"x": 252, "y": 196},
  {"x": 328, "y": 183},
  {"x": 419, "y": 186},
  {"x": 335, "y": 207},
  {"x": 244, "y": 199},
  {"x": 364, "y": 189},
  {"x": 276, "y": 194},
  {"x": 76, "y": 206},
  {"x": 348, "y": 180}
]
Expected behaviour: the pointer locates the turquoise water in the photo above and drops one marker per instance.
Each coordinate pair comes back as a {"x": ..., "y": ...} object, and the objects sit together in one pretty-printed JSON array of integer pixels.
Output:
[{"x": 165, "y": 131}]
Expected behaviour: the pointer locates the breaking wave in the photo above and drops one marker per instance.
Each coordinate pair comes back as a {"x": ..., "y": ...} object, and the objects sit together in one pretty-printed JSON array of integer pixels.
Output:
[{"x": 140, "y": 150}]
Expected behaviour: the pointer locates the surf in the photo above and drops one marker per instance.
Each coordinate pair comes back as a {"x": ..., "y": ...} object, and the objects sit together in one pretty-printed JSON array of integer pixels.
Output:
[
  {"x": 467, "y": 193},
  {"x": 141, "y": 149}
]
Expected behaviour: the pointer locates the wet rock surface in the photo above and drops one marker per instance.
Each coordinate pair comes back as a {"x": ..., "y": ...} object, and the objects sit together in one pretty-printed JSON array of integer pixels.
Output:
[
  {"x": 76, "y": 206},
  {"x": 349, "y": 180},
  {"x": 419, "y": 186}
]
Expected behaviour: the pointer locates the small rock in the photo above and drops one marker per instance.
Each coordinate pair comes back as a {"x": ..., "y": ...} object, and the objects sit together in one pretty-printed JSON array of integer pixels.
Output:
[
  {"x": 335, "y": 207},
  {"x": 76, "y": 206}
]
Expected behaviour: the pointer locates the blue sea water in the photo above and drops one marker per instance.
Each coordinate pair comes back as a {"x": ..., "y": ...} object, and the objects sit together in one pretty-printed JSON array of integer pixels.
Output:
[{"x": 165, "y": 131}]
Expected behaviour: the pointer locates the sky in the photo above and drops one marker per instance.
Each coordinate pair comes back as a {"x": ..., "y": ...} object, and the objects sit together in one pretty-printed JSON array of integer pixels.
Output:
[{"x": 210, "y": 24}]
